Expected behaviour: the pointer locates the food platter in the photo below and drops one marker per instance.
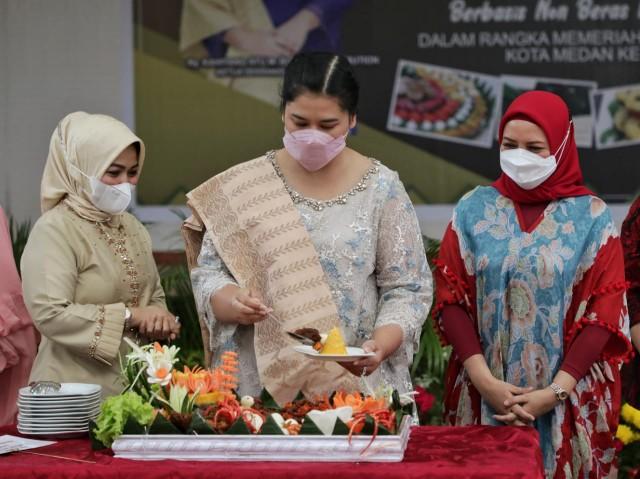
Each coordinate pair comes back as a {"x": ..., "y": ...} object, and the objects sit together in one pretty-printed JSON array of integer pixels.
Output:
[{"x": 265, "y": 447}]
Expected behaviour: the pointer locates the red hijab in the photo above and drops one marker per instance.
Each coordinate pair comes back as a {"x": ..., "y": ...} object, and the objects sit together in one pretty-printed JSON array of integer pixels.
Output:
[{"x": 550, "y": 113}]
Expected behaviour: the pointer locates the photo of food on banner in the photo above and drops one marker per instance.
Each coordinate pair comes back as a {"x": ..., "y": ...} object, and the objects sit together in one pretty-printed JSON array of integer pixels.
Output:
[
  {"x": 577, "y": 94},
  {"x": 445, "y": 103},
  {"x": 618, "y": 119},
  {"x": 245, "y": 44}
]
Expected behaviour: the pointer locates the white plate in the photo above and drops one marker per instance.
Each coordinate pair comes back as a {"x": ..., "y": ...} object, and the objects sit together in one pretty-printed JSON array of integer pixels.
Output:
[
  {"x": 62, "y": 428},
  {"x": 353, "y": 354},
  {"x": 72, "y": 406},
  {"x": 51, "y": 430},
  {"x": 74, "y": 397},
  {"x": 54, "y": 411},
  {"x": 54, "y": 434},
  {"x": 58, "y": 402},
  {"x": 26, "y": 421},
  {"x": 66, "y": 389},
  {"x": 59, "y": 398},
  {"x": 38, "y": 421},
  {"x": 76, "y": 406},
  {"x": 55, "y": 427},
  {"x": 59, "y": 415},
  {"x": 63, "y": 406}
]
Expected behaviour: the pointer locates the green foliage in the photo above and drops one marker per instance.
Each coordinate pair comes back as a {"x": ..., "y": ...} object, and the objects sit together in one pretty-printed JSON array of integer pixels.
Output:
[
  {"x": 134, "y": 378},
  {"x": 176, "y": 282},
  {"x": 162, "y": 425},
  {"x": 630, "y": 461},
  {"x": 116, "y": 411},
  {"x": 431, "y": 359},
  {"x": 19, "y": 235},
  {"x": 309, "y": 428},
  {"x": 267, "y": 400},
  {"x": 270, "y": 427},
  {"x": 628, "y": 433},
  {"x": 340, "y": 429},
  {"x": 431, "y": 248},
  {"x": 239, "y": 428}
]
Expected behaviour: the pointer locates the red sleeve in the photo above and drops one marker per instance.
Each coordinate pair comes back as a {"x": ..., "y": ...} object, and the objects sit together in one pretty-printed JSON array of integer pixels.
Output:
[
  {"x": 460, "y": 332},
  {"x": 598, "y": 300},
  {"x": 630, "y": 236},
  {"x": 585, "y": 351},
  {"x": 453, "y": 285}
]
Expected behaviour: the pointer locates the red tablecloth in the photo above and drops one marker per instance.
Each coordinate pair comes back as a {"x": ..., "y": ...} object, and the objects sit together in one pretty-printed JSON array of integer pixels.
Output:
[{"x": 434, "y": 452}]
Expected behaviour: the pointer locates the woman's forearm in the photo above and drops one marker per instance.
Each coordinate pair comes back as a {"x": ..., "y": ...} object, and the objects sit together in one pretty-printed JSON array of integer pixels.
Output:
[
  {"x": 478, "y": 371},
  {"x": 221, "y": 303},
  {"x": 389, "y": 338},
  {"x": 565, "y": 380}
]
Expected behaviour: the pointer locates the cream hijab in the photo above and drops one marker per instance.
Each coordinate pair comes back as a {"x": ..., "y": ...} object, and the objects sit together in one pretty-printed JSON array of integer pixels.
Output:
[{"x": 91, "y": 143}]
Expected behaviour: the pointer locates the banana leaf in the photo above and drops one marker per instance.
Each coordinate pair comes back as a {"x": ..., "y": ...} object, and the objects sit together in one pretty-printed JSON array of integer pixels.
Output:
[
  {"x": 270, "y": 427},
  {"x": 160, "y": 425},
  {"x": 199, "y": 425}
]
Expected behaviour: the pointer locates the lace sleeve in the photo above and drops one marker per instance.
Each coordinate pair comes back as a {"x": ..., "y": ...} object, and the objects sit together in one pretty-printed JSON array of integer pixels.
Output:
[
  {"x": 402, "y": 273},
  {"x": 209, "y": 276}
]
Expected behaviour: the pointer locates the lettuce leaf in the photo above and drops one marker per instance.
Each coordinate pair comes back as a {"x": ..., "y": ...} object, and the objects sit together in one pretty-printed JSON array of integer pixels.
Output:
[{"x": 115, "y": 412}]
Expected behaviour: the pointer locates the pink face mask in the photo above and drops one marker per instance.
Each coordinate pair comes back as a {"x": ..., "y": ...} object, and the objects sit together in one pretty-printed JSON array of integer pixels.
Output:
[{"x": 312, "y": 148}]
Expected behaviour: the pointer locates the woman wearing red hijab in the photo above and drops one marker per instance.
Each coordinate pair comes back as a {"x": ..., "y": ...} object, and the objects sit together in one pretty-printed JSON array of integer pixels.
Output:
[{"x": 530, "y": 293}]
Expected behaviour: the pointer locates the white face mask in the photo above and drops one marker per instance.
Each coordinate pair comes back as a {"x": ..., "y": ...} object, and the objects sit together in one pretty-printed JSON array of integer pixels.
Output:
[
  {"x": 527, "y": 169},
  {"x": 112, "y": 199}
]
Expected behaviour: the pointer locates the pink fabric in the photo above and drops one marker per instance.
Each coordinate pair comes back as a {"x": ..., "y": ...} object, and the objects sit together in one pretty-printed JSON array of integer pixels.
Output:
[{"x": 18, "y": 337}]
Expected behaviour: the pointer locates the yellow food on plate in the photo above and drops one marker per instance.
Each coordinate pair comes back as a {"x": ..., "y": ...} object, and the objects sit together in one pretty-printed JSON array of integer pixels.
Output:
[{"x": 334, "y": 344}]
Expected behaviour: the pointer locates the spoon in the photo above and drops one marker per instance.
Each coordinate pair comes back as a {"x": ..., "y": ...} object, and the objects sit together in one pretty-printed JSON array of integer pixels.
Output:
[{"x": 302, "y": 339}]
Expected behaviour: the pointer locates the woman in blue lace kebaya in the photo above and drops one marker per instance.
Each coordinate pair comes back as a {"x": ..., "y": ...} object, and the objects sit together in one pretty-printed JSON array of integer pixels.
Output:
[{"x": 354, "y": 253}]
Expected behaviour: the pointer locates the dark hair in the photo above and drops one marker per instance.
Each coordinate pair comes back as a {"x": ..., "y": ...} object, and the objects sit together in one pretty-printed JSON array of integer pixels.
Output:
[{"x": 323, "y": 73}]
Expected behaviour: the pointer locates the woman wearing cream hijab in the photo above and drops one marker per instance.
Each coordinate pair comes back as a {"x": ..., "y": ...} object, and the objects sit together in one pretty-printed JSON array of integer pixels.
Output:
[{"x": 89, "y": 277}]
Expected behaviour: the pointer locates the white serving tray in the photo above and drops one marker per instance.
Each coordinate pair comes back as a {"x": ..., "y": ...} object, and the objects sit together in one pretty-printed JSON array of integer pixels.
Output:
[{"x": 264, "y": 448}]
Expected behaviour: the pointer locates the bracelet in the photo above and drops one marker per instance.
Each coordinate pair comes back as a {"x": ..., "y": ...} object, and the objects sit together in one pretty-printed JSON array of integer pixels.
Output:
[{"x": 127, "y": 320}]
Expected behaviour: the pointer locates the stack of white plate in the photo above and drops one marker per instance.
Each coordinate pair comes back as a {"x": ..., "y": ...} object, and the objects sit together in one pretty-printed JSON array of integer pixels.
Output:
[{"x": 63, "y": 413}]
